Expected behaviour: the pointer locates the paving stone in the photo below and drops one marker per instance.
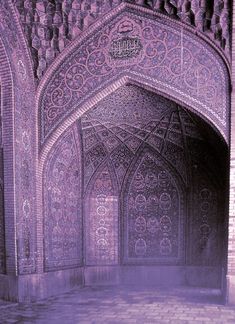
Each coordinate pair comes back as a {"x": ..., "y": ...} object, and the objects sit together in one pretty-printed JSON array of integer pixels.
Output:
[{"x": 121, "y": 305}]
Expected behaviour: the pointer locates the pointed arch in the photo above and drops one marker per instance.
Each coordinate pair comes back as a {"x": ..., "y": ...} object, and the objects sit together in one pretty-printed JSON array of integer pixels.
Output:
[
  {"x": 88, "y": 70},
  {"x": 101, "y": 218},
  {"x": 154, "y": 205}
]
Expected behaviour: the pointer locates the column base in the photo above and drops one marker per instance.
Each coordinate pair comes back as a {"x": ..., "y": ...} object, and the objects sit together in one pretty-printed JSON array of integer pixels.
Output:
[
  {"x": 29, "y": 288},
  {"x": 230, "y": 291}
]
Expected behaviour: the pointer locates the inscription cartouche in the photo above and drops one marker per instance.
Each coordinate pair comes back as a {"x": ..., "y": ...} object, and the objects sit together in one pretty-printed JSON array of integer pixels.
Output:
[{"x": 125, "y": 48}]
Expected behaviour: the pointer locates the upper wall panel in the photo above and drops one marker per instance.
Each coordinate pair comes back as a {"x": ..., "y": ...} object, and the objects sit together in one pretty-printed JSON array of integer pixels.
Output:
[
  {"x": 50, "y": 26},
  {"x": 148, "y": 49}
]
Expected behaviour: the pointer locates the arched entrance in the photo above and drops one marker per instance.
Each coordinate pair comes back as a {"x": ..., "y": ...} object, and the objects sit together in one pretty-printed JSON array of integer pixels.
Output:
[
  {"x": 93, "y": 140},
  {"x": 152, "y": 182}
]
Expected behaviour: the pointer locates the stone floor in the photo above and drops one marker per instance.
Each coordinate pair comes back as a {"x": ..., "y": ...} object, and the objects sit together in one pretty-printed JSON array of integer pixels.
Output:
[{"x": 122, "y": 305}]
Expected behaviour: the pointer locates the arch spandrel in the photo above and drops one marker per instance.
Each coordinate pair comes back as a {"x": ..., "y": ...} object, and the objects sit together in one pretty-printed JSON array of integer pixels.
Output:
[{"x": 158, "y": 52}]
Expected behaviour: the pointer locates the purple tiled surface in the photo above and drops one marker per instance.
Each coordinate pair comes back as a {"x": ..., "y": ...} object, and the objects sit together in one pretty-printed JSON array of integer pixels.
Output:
[
  {"x": 202, "y": 78},
  {"x": 91, "y": 65},
  {"x": 50, "y": 26}
]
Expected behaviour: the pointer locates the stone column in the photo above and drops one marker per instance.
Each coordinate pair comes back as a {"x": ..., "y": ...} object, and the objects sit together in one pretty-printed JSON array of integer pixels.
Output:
[
  {"x": 231, "y": 223},
  {"x": 18, "y": 118}
]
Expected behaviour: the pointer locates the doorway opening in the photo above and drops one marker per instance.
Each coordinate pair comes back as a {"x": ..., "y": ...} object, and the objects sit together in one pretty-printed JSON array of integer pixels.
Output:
[{"x": 135, "y": 193}]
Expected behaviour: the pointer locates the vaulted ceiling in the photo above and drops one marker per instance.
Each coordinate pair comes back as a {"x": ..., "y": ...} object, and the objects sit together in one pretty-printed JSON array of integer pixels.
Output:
[{"x": 131, "y": 118}]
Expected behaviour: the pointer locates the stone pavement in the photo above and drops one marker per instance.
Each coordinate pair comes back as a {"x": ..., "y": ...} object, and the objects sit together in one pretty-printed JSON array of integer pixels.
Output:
[{"x": 121, "y": 305}]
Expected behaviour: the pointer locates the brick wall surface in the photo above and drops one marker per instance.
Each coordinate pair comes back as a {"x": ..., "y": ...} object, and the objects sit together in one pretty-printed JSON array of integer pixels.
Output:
[
  {"x": 7, "y": 103},
  {"x": 231, "y": 235}
]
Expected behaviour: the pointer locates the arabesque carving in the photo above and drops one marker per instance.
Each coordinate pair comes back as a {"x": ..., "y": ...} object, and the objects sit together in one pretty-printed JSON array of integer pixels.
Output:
[
  {"x": 102, "y": 220},
  {"x": 165, "y": 57},
  {"x": 49, "y": 26},
  {"x": 154, "y": 213},
  {"x": 145, "y": 200},
  {"x": 62, "y": 201}
]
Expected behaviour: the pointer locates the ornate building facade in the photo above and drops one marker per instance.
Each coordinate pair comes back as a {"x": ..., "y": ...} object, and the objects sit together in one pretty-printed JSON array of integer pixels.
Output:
[{"x": 117, "y": 148}]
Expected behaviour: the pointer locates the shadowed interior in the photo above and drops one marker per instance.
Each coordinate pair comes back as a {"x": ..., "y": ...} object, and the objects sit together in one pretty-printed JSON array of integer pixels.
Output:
[{"x": 134, "y": 192}]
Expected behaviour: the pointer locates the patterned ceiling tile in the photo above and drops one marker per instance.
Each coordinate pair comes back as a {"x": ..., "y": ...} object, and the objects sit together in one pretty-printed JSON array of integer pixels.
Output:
[
  {"x": 133, "y": 143},
  {"x": 155, "y": 142}
]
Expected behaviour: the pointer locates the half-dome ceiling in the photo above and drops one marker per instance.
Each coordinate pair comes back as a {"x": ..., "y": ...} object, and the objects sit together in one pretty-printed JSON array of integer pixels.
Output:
[{"x": 130, "y": 118}]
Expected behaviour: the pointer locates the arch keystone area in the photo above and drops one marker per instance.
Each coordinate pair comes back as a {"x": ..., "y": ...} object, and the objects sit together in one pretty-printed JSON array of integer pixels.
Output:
[{"x": 159, "y": 52}]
